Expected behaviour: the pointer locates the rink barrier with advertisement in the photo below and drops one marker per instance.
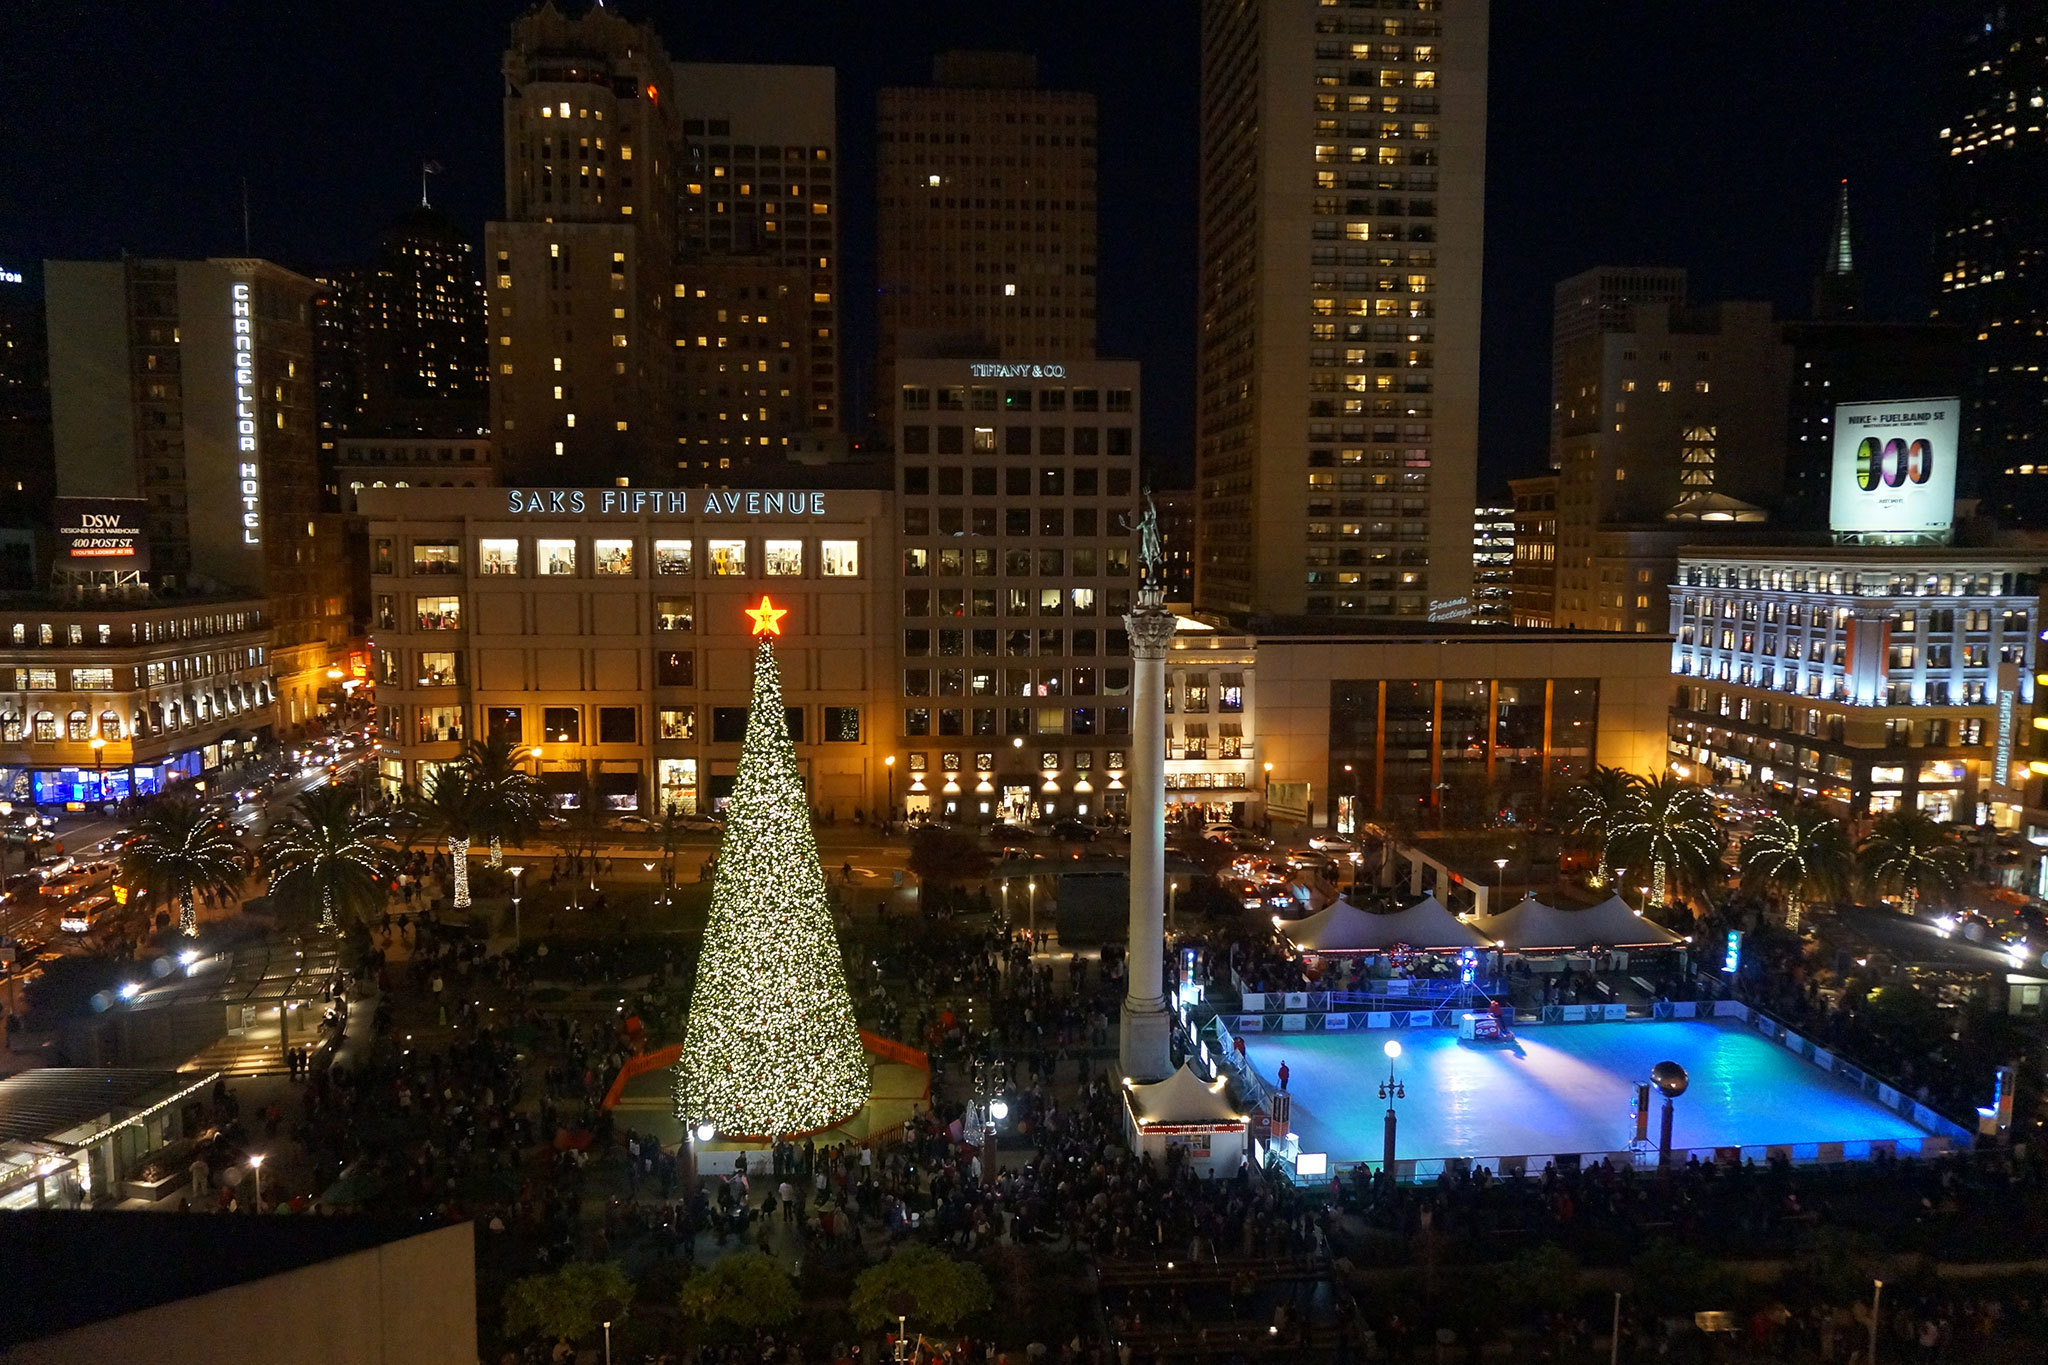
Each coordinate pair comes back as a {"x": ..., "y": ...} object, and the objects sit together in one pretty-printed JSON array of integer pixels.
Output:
[{"x": 1943, "y": 1135}]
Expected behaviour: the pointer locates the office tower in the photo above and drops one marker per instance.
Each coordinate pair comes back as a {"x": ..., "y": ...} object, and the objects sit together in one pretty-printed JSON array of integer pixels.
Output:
[
  {"x": 340, "y": 372},
  {"x": 1343, "y": 174},
  {"x": 26, "y": 471},
  {"x": 1177, "y": 540},
  {"x": 986, "y": 191},
  {"x": 1991, "y": 239},
  {"x": 1670, "y": 424},
  {"x": 1843, "y": 356},
  {"x": 1586, "y": 305},
  {"x": 1493, "y": 566},
  {"x": 756, "y": 348},
  {"x": 1533, "y": 601},
  {"x": 1017, "y": 488},
  {"x": 579, "y": 272},
  {"x": 1838, "y": 289},
  {"x": 189, "y": 384}
]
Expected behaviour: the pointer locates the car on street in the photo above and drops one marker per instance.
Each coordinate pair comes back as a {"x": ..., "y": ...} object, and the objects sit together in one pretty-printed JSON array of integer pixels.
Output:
[
  {"x": 700, "y": 823},
  {"x": 1009, "y": 836},
  {"x": 1079, "y": 830}
]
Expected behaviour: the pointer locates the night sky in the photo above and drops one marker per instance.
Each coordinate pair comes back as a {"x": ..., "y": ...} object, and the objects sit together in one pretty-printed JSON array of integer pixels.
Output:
[{"x": 1708, "y": 136}]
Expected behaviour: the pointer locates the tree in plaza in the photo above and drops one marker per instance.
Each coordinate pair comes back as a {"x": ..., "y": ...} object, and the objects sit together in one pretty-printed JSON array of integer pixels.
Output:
[
  {"x": 943, "y": 857},
  {"x": 328, "y": 858},
  {"x": 770, "y": 1046},
  {"x": 508, "y": 800},
  {"x": 740, "y": 1294},
  {"x": 567, "y": 1303},
  {"x": 185, "y": 852},
  {"x": 449, "y": 802},
  {"x": 1592, "y": 808},
  {"x": 1800, "y": 855},
  {"x": 921, "y": 1283},
  {"x": 1908, "y": 853},
  {"x": 1667, "y": 827}
]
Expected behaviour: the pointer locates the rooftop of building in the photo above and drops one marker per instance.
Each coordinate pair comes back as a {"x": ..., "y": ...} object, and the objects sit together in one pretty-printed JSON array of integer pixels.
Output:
[
  {"x": 1871, "y": 556},
  {"x": 53, "y": 601},
  {"x": 52, "y": 1100},
  {"x": 1309, "y": 629},
  {"x": 161, "y": 1259}
]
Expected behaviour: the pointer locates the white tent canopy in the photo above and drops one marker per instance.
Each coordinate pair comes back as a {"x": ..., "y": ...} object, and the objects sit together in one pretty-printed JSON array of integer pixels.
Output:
[
  {"x": 1184, "y": 1098},
  {"x": 1344, "y": 928},
  {"x": 1529, "y": 925}
]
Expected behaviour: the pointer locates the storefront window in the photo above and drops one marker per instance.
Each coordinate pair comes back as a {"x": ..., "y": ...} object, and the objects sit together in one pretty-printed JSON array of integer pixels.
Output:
[
  {"x": 728, "y": 558},
  {"x": 557, "y": 557},
  {"x": 782, "y": 558},
  {"x": 437, "y": 669},
  {"x": 839, "y": 558},
  {"x": 672, "y": 559},
  {"x": 498, "y": 557},
  {"x": 613, "y": 558},
  {"x": 677, "y": 779}
]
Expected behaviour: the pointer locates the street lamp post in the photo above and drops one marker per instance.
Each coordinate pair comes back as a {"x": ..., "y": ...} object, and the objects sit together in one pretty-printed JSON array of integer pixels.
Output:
[
  {"x": 1671, "y": 1081},
  {"x": 256, "y": 1165},
  {"x": 515, "y": 871},
  {"x": 1031, "y": 925},
  {"x": 1500, "y": 872},
  {"x": 6, "y": 817},
  {"x": 890, "y": 813},
  {"x": 1391, "y": 1090}
]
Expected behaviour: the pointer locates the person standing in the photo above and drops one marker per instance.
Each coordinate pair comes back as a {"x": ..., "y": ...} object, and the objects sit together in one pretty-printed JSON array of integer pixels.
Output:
[{"x": 1284, "y": 1073}]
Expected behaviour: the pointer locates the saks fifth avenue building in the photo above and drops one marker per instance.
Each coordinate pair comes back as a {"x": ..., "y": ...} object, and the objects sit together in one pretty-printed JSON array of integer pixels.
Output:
[{"x": 603, "y": 631}]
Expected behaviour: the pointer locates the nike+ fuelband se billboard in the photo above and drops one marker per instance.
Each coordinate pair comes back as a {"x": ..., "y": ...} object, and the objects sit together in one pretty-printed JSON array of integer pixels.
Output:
[{"x": 1895, "y": 466}]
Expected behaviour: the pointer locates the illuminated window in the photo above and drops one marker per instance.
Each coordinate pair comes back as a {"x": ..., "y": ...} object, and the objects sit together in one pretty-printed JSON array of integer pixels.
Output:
[
  {"x": 782, "y": 558},
  {"x": 612, "y": 558},
  {"x": 672, "y": 559},
  {"x": 557, "y": 557},
  {"x": 839, "y": 558},
  {"x": 498, "y": 557},
  {"x": 728, "y": 558}
]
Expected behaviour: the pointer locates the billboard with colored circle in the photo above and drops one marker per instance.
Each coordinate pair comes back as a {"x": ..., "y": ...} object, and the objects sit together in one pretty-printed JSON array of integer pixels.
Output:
[{"x": 1895, "y": 466}]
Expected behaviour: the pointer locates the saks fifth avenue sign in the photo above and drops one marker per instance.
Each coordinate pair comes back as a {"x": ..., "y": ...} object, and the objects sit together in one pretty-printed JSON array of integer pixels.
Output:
[{"x": 662, "y": 502}]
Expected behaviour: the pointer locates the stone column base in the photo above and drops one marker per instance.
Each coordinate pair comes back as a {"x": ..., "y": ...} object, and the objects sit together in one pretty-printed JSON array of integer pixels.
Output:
[{"x": 1145, "y": 1041}]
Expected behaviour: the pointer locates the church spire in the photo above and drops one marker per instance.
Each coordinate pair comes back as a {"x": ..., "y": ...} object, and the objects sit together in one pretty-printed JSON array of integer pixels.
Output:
[{"x": 1840, "y": 261}]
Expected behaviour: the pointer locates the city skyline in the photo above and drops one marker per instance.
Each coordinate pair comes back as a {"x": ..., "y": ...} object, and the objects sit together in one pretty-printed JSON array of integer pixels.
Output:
[{"x": 179, "y": 171}]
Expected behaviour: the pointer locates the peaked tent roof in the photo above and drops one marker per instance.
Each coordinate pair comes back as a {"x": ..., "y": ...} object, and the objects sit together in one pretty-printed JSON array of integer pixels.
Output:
[
  {"x": 1529, "y": 923},
  {"x": 1183, "y": 1097},
  {"x": 1344, "y": 928}
]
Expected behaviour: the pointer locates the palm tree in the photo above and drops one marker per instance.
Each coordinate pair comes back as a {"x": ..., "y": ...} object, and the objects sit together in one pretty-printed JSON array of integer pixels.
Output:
[
  {"x": 1909, "y": 853},
  {"x": 449, "y": 802},
  {"x": 1668, "y": 826},
  {"x": 329, "y": 858},
  {"x": 1594, "y": 806},
  {"x": 184, "y": 853},
  {"x": 1799, "y": 855},
  {"x": 508, "y": 800}
]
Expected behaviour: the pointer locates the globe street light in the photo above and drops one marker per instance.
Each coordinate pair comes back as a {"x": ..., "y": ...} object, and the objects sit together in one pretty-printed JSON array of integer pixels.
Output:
[
  {"x": 515, "y": 871},
  {"x": 1391, "y": 1090},
  {"x": 890, "y": 813},
  {"x": 256, "y": 1165},
  {"x": 1670, "y": 1080}
]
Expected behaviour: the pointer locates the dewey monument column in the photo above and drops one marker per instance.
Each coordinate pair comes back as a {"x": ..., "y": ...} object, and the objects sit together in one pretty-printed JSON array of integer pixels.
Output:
[{"x": 1147, "y": 1026}]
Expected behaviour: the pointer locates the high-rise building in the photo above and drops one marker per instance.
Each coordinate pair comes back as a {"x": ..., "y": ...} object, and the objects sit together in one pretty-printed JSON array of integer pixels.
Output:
[
  {"x": 26, "y": 471},
  {"x": 1342, "y": 205},
  {"x": 1177, "y": 540},
  {"x": 986, "y": 190},
  {"x": 1992, "y": 238},
  {"x": 757, "y": 223},
  {"x": 1843, "y": 356},
  {"x": 1585, "y": 306},
  {"x": 1017, "y": 493},
  {"x": 189, "y": 384},
  {"x": 579, "y": 272},
  {"x": 1670, "y": 423},
  {"x": 1493, "y": 566},
  {"x": 1533, "y": 600}
]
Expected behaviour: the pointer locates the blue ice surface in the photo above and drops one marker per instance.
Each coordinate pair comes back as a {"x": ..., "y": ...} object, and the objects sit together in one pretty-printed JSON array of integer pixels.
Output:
[{"x": 1570, "y": 1088}]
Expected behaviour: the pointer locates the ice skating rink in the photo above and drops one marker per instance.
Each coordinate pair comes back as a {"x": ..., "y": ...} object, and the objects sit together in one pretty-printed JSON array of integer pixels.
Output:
[{"x": 1570, "y": 1088}]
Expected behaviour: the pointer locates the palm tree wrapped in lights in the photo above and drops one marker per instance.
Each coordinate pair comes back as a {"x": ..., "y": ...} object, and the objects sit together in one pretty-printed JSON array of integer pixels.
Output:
[
  {"x": 1668, "y": 826},
  {"x": 184, "y": 853},
  {"x": 329, "y": 858},
  {"x": 1592, "y": 808},
  {"x": 1801, "y": 856},
  {"x": 1908, "y": 853},
  {"x": 449, "y": 803},
  {"x": 508, "y": 800}
]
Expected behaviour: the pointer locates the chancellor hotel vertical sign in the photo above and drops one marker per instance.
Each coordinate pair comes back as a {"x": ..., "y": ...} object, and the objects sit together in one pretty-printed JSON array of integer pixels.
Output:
[{"x": 249, "y": 479}]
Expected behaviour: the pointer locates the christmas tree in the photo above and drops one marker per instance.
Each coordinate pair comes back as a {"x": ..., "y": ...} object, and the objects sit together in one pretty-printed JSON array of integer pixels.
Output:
[{"x": 770, "y": 1047}]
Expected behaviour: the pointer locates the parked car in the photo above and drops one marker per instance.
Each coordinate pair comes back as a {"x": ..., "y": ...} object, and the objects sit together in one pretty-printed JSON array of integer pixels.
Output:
[
  {"x": 632, "y": 824},
  {"x": 1079, "y": 830},
  {"x": 1010, "y": 836}
]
